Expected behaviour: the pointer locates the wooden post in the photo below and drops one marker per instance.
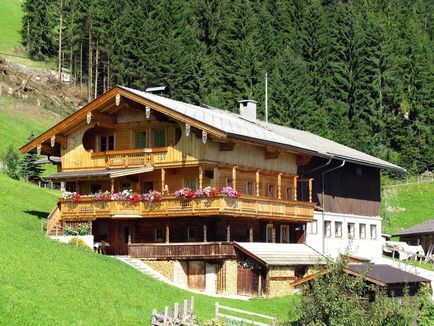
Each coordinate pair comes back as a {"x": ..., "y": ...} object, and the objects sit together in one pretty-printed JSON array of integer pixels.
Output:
[
  {"x": 250, "y": 234},
  {"x": 167, "y": 233},
  {"x": 273, "y": 234},
  {"x": 279, "y": 186},
  {"x": 112, "y": 187},
  {"x": 192, "y": 305},
  {"x": 163, "y": 179},
  {"x": 257, "y": 183},
  {"x": 310, "y": 190},
  {"x": 216, "y": 311},
  {"x": 216, "y": 176},
  {"x": 166, "y": 315},
  {"x": 200, "y": 177},
  {"x": 204, "y": 233},
  {"x": 234, "y": 177},
  {"x": 185, "y": 310},
  {"x": 77, "y": 187},
  {"x": 295, "y": 188},
  {"x": 260, "y": 285},
  {"x": 176, "y": 311},
  {"x": 228, "y": 233}
]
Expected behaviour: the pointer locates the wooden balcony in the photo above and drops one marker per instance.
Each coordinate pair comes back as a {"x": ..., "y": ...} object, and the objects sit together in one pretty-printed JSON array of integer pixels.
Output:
[
  {"x": 129, "y": 158},
  {"x": 254, "y": 207},
  {"x": 190, "y": 250}
]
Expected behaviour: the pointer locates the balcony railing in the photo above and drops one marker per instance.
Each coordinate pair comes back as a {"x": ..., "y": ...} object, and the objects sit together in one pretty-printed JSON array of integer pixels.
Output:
[
  {"x": 202, "y": 250},
  {"x": 129, "y": 158},
  {"x": 259, "y": 207}
]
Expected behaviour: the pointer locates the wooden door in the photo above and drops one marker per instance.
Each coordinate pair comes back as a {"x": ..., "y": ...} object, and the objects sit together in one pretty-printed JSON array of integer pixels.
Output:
[
  {"x": 123, "y": 236},
  {"x": 247, "y": 281},
  {"x": 196, "y": 275}
]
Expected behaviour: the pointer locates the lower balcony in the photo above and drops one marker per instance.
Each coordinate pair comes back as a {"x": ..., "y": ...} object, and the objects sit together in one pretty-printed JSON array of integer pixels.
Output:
[
  {"x": 188, "y": 251},
  {"x": 254, "y": 207}
]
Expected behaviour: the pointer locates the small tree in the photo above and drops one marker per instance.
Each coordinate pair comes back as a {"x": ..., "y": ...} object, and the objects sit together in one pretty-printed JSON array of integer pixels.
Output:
[
  {"x": 338, "y": 298},
  {"x": 11, "y": 163},
  {"x": 29, "y": 170}
]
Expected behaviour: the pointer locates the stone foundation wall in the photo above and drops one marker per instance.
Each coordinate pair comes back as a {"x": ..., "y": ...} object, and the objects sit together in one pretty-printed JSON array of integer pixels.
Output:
[{"x": 164, "y": 267}]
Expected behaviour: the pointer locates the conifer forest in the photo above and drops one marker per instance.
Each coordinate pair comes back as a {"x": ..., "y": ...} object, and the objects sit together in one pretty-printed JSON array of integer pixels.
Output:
[{"x": 358, "y": 72}]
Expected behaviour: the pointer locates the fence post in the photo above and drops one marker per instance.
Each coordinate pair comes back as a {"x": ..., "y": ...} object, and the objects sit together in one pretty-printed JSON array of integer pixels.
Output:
[
  {"x": 154, "y": 316},
  {"x": 185, "y": 310},
  {"x": 166, "y": 313},
  {"x": 216, "y": 311},
  {"x": 176, "y": 311},
  {"x": 192, "y": 305}
]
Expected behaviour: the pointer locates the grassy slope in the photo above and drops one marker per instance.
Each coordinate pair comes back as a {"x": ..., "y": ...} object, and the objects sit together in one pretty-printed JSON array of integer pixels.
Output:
[
  {"x": 10, "y": 25},
  {"x": 45, "y": 282},
  {"x": 407, "y": 205}
]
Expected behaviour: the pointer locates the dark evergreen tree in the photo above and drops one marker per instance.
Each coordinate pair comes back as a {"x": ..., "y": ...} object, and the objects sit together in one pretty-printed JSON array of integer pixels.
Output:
[
  {"x": 29, "y": 169},
  {"x": 11, "y": 163}
]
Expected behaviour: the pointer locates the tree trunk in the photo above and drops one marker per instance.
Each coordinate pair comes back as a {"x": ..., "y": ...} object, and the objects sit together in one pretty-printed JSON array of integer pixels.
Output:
[
  {"x": 89, "y": 77},
  {"x": 81, "y": 65},
  {"x": 59, "y": 67},
  {"x": 96, "y": 69}
]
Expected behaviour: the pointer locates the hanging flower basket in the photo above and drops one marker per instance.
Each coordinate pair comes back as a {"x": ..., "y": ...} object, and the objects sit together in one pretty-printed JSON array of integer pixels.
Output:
[
  {"x": 102, "y": 195},
  {"x": 152, "y": 196},
  {"x": 184, "y": 194},
  {"x": 207, "y": 192},
  {"x": 230, "y": 192}
]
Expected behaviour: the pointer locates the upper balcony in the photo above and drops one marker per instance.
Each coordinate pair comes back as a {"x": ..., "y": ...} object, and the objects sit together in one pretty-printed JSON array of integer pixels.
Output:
[
  {"x": 129, "y": 158},
  {"x": 170, "y": 206}
]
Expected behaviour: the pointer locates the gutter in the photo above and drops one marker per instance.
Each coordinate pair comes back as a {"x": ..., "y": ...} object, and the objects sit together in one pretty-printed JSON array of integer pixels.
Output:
[{"x": 322, "y": 197}]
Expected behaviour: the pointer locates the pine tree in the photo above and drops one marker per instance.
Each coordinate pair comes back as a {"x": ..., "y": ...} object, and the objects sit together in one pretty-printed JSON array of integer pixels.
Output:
[
  {"x": 29, "y": 169},
  {"x": 10, "y": 162}
]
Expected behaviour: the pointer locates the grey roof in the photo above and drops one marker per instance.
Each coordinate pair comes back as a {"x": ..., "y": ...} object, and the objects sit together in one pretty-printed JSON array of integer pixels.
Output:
[
  {"x": 386, "y": 273},
  {"x": 112, "y": 173},
  {"x": 236, "y": 126},
  {"x": 156, "y": 88},
  {"x": 425, "y": 227},
  {"x": 281, "y": 254}
]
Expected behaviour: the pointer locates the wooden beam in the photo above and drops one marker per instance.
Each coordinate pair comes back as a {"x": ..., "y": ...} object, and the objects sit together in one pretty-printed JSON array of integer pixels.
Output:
[
  {"x": 200, "y": 177},
  {"x": 163, "y": 179},
  {"x": 216, "y": 174},
  {"x": 279, "y": 186},
  {"x": 224, "y": 147},
  {"x": 104, "y": 120},
  {"x": 204, "y": 233},
  {"x": 47, "y": 149},
  {"x": 228, "y": 233},
  {"x": 302, "y": 160},
  {"x": 295, "y": 188},
  {"x": 234, "y": 177},
  {"x": 62, "y": 140},
  {"x": 112, "y": 186},
  {"x": 167, "y": 233},
  {"x": 271, "y": 155},
  {"x": 250, "y": 234},
  {"x": 310, "y": 190}
]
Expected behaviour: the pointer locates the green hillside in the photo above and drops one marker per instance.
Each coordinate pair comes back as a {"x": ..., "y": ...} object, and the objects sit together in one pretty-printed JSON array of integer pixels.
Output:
[
  {"x": 45, "y": 282},
  {"x": 10, "y": 25},
  {"x": 406, "y": 205}
]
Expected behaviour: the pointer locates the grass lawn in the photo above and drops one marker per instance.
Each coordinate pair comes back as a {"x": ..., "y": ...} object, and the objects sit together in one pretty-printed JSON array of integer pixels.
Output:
[
  {"x": 10, "y": 25},
  {"x": 48, "y": 283},
  {"x": 420, "y": 264},
  {"x": 406, "y": 205},
  {"x": 18, "y": 119}
]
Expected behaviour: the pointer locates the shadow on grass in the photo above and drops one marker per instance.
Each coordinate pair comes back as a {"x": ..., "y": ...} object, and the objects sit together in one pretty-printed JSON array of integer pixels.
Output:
[{"x": 40, "y": 215}]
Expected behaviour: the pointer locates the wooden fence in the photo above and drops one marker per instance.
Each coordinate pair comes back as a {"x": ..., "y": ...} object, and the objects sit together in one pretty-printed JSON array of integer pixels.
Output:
[
  {"x": 241, "y": 321},
  {"x": 175, "y": 315}
]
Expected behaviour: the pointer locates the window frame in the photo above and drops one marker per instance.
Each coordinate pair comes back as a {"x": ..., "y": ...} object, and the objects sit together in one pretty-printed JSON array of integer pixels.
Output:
[
  {"x": 269, "y": 233},
  {"x": 157, "y": 230},
  {"x": 289, "y": 193},
  {"x": 351, "y": 235},
  {"x": 284, "y": 227},
  {"x": 373, "y": 227},
  {"x": 312, "y": 229},
  {"x": 338, "y": 235},
  {"x": 327, "y": 231},
  {"x": 252, "y": 183},
  {"x": 153, "y": 130},
  {"x": 187, "y": 185},
  {"x": 362, "y": 236},
  {"x": 143, "y": 131},
  {"x": 272, "y": 187},
  {"x": 189, "y": 237}
]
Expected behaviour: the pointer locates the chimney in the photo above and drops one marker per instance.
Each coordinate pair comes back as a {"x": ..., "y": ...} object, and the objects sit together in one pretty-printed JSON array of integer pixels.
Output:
[{"x": 247, "y": 109}]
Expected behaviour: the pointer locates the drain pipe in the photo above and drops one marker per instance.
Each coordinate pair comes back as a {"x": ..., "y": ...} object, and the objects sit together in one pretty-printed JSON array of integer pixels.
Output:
[{"x": 322, "y": 199}]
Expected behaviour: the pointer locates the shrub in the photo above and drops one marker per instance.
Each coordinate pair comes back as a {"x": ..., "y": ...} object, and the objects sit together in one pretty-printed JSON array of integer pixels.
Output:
[{"x": 78, "y": 242}]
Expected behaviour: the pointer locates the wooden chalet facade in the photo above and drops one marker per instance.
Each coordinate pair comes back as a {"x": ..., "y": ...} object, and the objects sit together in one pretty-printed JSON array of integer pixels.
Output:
[{"x": 127, "y": 140}]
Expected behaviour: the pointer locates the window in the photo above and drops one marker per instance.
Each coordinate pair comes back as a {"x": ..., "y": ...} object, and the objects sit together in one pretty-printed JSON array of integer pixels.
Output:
[
  {"x": 250, "y": 188},
  {"x": 314, "y": 227},
  {"x": 148, "y": 185},
  {"x": 71, "y": 186},
  {"x": 229, "y": 182},
  {"x": 351, "y": 230},
  {"x": 140, "y": 139},
  {"x": 284, "y": 233},
  {"x": 158, "y": 234},
  {"x": 95, "y": 188},
  {"x": 271, "y": 191},
  {"x": 125, "y": 186},
  {"x": 190, "y": 183},
  {"x": 362, "y": 231},
  {"x": 191, "y": 233},
  {"x": 359, "y": 171},
  {"x": 338, "y": 229},
  {"x": 289, "y": 193},
  {"x": 327, "y": 228},
  {"x": 373, "y": 231},
  {"x": 158, "y": 137},
  {"x": 107, "y": 143},
  {"x": 269, "y": 233}
]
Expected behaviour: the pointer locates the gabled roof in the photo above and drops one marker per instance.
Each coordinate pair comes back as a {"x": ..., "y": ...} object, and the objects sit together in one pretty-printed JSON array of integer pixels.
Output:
[
  {"x": 281, "y": 254},
  {"x": 222, "y": 124},
  {"x": 383, "y": 274},
  {"x": 425, "y": 227}
]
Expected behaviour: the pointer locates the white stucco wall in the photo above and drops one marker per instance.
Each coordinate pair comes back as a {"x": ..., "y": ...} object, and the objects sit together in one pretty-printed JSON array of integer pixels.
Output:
[{"x": 333, "y": 245}]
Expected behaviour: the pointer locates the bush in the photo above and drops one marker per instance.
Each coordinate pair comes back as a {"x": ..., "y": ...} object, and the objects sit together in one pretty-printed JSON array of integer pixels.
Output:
[{"x": 80, "y": 243}]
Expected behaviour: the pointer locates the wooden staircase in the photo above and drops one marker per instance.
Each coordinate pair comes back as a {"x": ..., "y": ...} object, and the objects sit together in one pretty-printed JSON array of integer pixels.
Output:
[{"x": 54, "y": 224}]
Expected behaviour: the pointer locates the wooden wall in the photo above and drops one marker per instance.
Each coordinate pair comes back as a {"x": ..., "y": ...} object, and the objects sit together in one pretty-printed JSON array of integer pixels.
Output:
[{"x": 352, "y": 189}]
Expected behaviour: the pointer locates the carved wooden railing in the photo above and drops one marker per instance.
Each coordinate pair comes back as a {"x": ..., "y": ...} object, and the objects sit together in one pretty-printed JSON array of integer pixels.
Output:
[
  {"x": 132, "y": 158},
  {"x": 169, "y": 206},
  {"x": 203, "y": 250}
]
